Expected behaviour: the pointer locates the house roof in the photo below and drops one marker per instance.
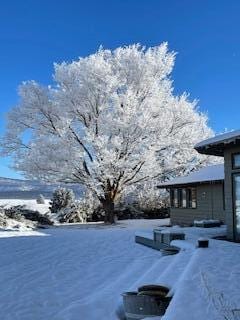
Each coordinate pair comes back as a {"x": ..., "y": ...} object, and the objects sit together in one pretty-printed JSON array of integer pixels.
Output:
[
  {"x": 204, "y": 175},
  {"x": 216, "y": 145}
]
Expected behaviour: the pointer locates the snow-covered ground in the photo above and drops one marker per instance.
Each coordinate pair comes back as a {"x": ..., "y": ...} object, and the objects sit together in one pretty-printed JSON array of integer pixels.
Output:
[
  {"x": 209, "y": 286},
  {"x": 75, "y": 273}
]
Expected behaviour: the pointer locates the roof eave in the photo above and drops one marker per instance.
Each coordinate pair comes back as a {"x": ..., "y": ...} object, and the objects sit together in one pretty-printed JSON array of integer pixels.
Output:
[
  {"x": 217, "y": 149},
  {"x": 189, "y": 184},
  {"x": 213, "y": 150}
]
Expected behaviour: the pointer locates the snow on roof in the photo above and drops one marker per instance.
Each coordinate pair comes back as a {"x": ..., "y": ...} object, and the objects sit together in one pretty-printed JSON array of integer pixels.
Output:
[
  {"x": 207, "y": 146},
  {"x": 206, "y": 174}
]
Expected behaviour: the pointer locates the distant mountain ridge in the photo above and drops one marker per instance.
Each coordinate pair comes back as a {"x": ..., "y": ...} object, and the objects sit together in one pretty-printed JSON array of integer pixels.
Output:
[{"x": 30, "y": 189}]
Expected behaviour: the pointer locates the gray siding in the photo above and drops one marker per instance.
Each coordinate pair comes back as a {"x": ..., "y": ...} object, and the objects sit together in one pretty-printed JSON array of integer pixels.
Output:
[
  {"x": 209, "y": 206},
  {"x": 229, "y": 190}
]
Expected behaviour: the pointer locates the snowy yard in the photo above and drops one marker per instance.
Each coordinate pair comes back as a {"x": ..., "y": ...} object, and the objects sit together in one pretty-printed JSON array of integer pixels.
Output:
[{"x": 74, "y": 273}]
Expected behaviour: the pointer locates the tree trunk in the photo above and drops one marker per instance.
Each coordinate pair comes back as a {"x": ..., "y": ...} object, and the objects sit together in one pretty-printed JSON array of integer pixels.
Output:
[{"x": 108, "y": 207}]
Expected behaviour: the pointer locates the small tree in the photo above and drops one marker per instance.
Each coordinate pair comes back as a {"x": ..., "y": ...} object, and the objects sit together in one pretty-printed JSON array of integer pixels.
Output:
[
  {"x": 62, "y": 198},
  {"x": 40, "y": 199}
]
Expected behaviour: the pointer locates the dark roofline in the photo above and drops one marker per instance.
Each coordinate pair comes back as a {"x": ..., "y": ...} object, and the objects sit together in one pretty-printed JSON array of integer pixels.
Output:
[{"x": 216, "y": 145}]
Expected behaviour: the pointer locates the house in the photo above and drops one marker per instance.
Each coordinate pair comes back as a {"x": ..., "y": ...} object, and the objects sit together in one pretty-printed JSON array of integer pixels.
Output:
[
  {"x": 197, "y": 196},
  {"x": 228, "y": 146},
  {"x": 209, "y": 193}
]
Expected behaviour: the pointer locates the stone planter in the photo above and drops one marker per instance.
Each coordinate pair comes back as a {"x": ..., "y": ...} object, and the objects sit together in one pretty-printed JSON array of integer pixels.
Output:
[{"x": 158, "y": 289}]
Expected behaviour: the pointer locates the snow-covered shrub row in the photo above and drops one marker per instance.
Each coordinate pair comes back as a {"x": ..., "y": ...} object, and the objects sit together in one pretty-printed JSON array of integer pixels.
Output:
[
  {"x": 144, "y": 201},
  {"x": 33, "y": 215},
  {"x": 14, "y": 221},
  {"x": 20, "y": 218}
]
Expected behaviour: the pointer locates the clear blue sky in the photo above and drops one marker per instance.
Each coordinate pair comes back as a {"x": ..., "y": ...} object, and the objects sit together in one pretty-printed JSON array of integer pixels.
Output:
[{"x": 206, "y": 35}]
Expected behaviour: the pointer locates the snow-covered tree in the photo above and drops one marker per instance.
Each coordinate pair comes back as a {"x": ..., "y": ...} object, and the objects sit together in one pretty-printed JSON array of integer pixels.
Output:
[
  {"x": 111, "y": 121},
  {"x": 40, "y": 199},
  {"x": 62, "y": 198}
]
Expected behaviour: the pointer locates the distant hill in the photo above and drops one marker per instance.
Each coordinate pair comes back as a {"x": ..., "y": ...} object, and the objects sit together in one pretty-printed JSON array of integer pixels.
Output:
[{"x": 30, "y": 189}]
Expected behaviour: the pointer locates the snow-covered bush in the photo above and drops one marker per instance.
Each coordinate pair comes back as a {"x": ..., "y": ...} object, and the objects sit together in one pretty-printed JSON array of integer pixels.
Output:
[
  {"x": 79, "y": 210},
  {"x": 149, "y": 197},
  {"x": 3, "y": 219},
  {"x": 62, "y": 198},
  {"x": 14, "y": 213},
  {"x": 145, "y": 200},
  {"x": 10, "y": 220},
  {"x": 20, "y": 213},
  {"x": 40, "y": 199},
  {"x": 129, "y": 211},
  {"x": 72, "y": 214}
]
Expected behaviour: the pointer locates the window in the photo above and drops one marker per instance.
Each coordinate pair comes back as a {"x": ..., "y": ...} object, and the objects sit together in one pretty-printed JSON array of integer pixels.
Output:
[
  {"x": 192, "y": 198},
  {"x": 172, "y": 198},
  {"x": 180, "y": 198},
  {"x": 184, "y": 198},
  {"x": 176, "y": 198},
  {"x": 236, "y": 161}
]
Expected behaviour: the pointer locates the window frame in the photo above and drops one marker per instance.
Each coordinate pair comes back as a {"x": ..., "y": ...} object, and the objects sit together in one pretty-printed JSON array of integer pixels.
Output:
[{"x": 234, "y": 167}]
